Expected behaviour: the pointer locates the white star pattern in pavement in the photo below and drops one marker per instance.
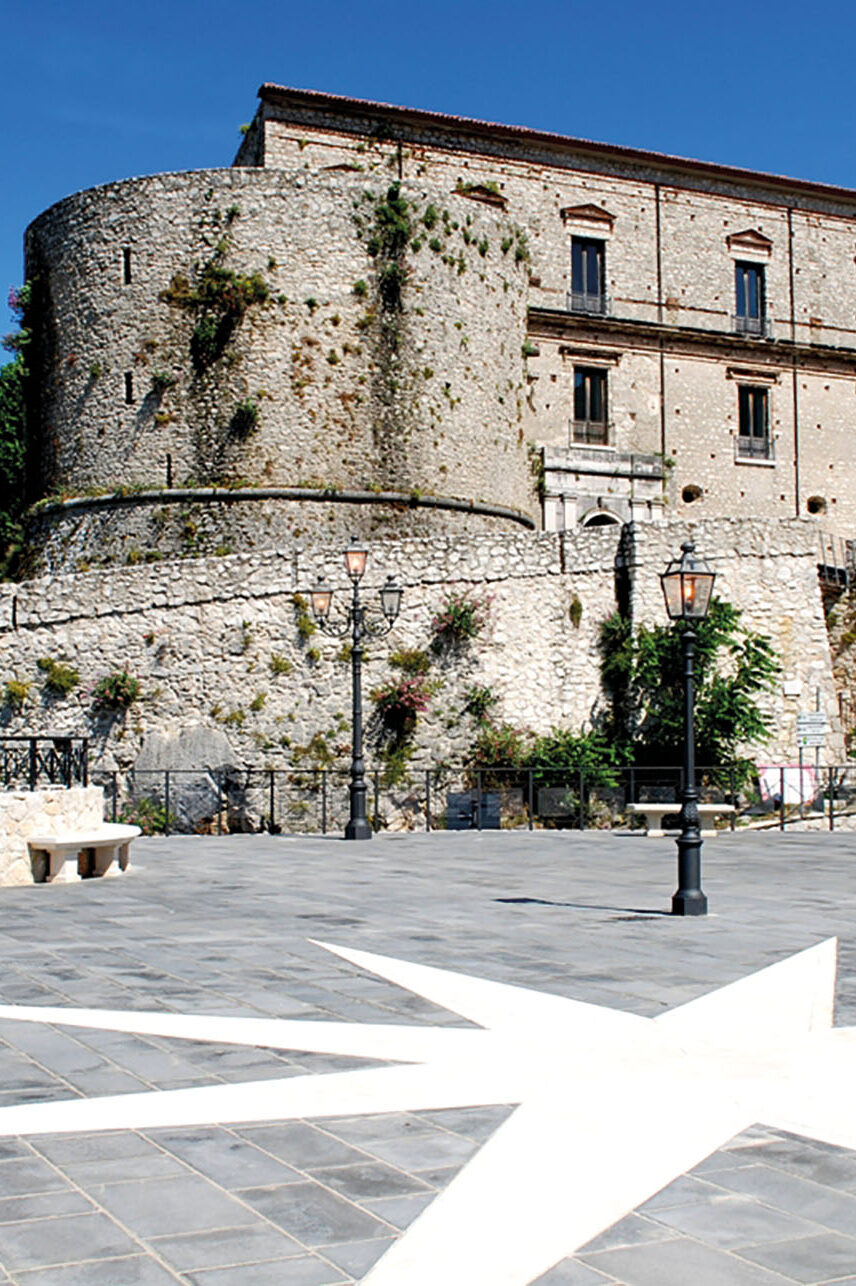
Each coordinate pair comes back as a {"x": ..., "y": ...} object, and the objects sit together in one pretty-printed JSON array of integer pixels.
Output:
[{"x": 610, "y": 1107}]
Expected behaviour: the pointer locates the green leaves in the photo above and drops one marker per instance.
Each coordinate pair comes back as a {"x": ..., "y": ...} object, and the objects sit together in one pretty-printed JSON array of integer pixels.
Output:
[{"x": 643, "y": 674}]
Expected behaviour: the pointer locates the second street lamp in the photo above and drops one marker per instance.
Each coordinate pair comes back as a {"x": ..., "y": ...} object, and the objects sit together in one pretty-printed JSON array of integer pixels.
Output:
[
  {"x": 687, "y": 587},
  {"x": 361, "y": 622}
]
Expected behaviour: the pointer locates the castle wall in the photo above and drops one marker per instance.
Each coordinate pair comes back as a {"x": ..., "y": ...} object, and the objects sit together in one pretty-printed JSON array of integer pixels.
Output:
[
  {"x": 344, "y": 390},
  {"x": 202, "y": 636}
]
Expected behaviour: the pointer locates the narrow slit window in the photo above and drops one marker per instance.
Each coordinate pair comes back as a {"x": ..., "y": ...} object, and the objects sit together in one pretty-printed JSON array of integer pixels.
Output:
[
  {"x": 126, "y": 265},
  {"x": 129, "y": 388}
]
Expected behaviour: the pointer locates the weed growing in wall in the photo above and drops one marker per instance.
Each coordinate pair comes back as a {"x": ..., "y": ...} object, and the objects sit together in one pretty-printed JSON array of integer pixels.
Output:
[
  {"x": 15, "y": 693},
  {"x": 60, "y": 679}
]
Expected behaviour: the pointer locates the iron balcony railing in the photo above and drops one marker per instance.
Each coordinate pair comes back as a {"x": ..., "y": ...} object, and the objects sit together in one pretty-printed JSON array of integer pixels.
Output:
[
  {"x": 27, "y": 763},
  {"x": 758, "y": 327},
  {"x": 591, "y": 433},
  {"x": 581, "y": 301},
  {"x": 746, "y": 448}
]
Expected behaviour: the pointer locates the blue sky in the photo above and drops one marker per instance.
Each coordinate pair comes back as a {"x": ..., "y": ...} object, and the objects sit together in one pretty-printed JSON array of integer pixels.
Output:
[{"x": 93, "y": 91}]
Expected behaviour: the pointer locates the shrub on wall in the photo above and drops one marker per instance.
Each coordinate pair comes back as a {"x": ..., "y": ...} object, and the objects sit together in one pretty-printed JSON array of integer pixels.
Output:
[
  {"x": 461, "y": 619},
  {"x": 115, "y": 692}
]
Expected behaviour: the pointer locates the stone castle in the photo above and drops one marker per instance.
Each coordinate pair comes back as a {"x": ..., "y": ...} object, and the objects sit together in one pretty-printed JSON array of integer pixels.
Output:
[{"x": 468, "y": 343}]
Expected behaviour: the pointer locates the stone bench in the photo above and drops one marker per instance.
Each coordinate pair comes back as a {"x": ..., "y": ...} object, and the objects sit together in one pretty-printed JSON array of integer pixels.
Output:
[
  {"x": 654, "y": 814},
  {"x": 101, "y": 851}
]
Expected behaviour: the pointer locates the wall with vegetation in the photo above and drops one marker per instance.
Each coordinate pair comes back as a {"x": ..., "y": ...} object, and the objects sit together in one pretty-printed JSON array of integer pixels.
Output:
[
  {"x": 246, "y": 327},
  {"x": 228, "y": 643}
]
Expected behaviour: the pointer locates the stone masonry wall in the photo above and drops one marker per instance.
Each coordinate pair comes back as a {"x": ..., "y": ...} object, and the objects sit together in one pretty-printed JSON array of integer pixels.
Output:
[
  {"x": 222, "y": 642},
  {"x": 32, "y": 812},
  {"x": 320, "y": 380}
]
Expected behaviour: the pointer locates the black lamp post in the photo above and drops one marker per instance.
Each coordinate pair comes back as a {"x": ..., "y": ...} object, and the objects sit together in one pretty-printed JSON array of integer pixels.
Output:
[
  {"x": 687, "y": 587},
  {"x": 357, "y": 620}
]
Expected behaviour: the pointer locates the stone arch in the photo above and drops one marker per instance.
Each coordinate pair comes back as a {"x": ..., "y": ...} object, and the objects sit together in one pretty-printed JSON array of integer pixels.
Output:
[{"x": 600, "y": 518}]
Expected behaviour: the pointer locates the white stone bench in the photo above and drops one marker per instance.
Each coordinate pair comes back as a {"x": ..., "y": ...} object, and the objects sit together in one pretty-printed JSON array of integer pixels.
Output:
[
  {"x": 654, "y": 814},
  {"x": 102, "y": 851}
]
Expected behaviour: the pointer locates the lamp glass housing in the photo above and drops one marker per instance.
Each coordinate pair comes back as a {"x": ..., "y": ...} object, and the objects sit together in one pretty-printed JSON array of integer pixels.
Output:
[
  {"x": 355, "y": 560},
  {"x": 321, "y": 598},
  {"x": 390, "y": 599},
  {"x": 687, "y": 586}
]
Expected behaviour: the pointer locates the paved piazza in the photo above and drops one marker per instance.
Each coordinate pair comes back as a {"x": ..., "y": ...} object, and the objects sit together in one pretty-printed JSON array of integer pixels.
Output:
[{"x": 475, "y": 1060}]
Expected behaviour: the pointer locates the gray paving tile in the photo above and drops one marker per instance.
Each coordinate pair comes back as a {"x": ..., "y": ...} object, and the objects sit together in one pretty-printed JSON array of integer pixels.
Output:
[
  {"x": 632, "y": 1230},
  {"x": 368, "y": 1180},
  {"x": 107, "y": 1146},
  {"x": 807, "y": 1259},
  {"x": 39, "y": 1243},
  {"x": 425, "y": 1151},
  {"x": 222, "y": 1247},
  {"x": 28, "y": 1174},
  {"x": 301, "y": 1145},
  {"x": 572, "y": 1273},
  {"x": 313, "y": 1215},
  {"x": 131, "y": 1270},
  {"x": 675, "y": 1263},
  {"x": 401, "y": 1211},
  {"x": 823, "y": 1205},
  {"x": 299, "y": 1272},
  {"x": 149, "y": 1207},
  {"x": 232, "y": 1162},
  {"x": 731, "y": 1222},
  {"x": 43, "y": 1205},
  {"x": 357, "y": 1257}
]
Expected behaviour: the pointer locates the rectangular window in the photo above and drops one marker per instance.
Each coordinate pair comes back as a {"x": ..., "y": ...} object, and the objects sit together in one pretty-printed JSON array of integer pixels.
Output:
[
  {"x": 590, "y": 423},
  {"x": 753, "y": 440},
  {"x": 129, "y": 388},
  {"x": 587, "y": 275},
  {"x": 126, "y": 266},
  {"x": 749, "y": 292}
]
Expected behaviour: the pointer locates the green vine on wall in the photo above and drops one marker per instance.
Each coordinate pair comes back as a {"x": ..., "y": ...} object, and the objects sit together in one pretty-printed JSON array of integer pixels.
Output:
[{"x": 218, "y": 299}]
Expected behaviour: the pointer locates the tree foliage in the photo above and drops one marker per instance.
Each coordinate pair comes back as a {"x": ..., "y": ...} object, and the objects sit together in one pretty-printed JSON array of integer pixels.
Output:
[
  {"x": 643, "y": 675},
  {"x": 12, "y": 430}
]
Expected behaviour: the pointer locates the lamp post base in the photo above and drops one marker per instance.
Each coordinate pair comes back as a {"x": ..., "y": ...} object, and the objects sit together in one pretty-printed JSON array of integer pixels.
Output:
[
  {"x": 689, "y": 902},
  {"x": 358, "y": 828}
]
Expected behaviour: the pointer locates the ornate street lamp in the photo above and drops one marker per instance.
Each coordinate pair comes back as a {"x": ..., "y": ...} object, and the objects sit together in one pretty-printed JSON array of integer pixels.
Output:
[
  {"x": 357, "y": 619},
  {"x": 687, "y": 587}
]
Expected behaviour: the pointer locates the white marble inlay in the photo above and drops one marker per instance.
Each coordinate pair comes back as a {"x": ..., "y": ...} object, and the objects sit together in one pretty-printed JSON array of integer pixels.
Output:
[{"x": 611, "y": 1107}]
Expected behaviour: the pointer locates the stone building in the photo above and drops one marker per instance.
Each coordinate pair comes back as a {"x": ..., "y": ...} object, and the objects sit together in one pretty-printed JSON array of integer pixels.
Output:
[
  {"x": 538, "y": 330},
  {"x": 466, "y": 342}
]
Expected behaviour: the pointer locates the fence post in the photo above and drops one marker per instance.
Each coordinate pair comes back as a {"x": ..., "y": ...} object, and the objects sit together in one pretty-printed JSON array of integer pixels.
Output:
[
  {"x": 376, "y": 818},
  {"x": 219, "y": 802},
  {"x": 166, "y": 801},
  {"x": 323, "y": 801},
  {"x": 427, "y": 799},
  {"x": 582, "y": 825},
  {"x": 531, "y": 799},
  {"x": 33, "y": 763},
  {"x": 831, "y": 788},
  {"x": 781, "y": 799},
  {"x": 84, "y": 771},
  {"x": 479, "y": 799},
  {"x": 115, "y": 794},
  {"x": 731, "y": 782}
]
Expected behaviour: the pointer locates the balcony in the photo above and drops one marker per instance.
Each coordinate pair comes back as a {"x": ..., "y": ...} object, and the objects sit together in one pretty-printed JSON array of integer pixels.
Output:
[
  {"x": 755, "y": 450},
  {"x": 597, "y": 305},
  {"x": 756, "y": 327},
  {"x": 591, "y": 433}
]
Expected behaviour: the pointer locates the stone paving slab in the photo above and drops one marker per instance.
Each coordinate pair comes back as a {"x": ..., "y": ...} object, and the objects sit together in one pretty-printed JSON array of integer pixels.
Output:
[{"x": 222, "y": 925}]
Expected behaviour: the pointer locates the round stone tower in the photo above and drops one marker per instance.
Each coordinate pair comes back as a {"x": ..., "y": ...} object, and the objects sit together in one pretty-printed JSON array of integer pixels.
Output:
[{"x": 241, "y": 357}]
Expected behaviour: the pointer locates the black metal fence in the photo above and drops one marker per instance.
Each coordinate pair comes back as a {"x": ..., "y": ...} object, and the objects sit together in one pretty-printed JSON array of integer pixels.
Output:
[
  {"x": 27, "y": 763},
  {"x": 297, "y": 799}
]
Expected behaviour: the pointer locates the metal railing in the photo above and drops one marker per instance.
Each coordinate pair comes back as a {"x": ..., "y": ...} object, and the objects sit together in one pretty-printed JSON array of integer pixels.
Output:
[
  {"x": 592, "y": 433},
  {"x": 759, "y": 327},
  {"x": 309, "y": 801},
  {"x": 581, "y": 301},
  {"x": 27, "y": 763},
  {"x": 837, "y": 560},
  {"x": 746, "y": 448}
]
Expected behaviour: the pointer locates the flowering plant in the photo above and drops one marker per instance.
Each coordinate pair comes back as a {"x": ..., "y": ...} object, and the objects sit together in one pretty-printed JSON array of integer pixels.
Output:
[
  {"x": 116, "y": 691},
  {"x": 462, "y": 617}
]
